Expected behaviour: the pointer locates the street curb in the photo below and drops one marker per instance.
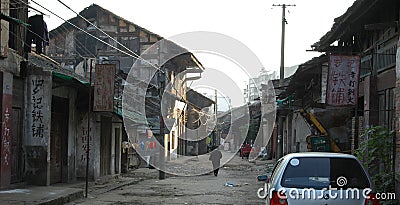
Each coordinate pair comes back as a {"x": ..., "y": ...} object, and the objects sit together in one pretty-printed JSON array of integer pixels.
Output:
[
  {"x": 105, "y": 190},
  {"x": 126, "y": 184},
  {"x": 64, "y": 199}
]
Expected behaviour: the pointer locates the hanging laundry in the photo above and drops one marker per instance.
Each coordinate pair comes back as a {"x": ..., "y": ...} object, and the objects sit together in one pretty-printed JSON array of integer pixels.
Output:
[{"x": 37, "y": 33}]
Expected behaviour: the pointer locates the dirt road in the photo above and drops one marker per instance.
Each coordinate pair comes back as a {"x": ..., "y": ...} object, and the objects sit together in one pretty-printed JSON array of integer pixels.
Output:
[{"x": 235, "y": 184}]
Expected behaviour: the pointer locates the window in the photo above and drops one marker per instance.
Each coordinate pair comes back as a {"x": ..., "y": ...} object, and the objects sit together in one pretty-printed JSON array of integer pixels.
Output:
[
  {"x": 386, "y": 54},
  {"x": 386, "y": 108},
  {"x": 273, "y": 173},
  {"x": 322, "y": 172}
]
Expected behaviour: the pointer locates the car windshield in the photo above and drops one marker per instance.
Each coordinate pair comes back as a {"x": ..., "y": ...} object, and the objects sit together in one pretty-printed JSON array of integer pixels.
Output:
[{"x": 322, "y": 172}]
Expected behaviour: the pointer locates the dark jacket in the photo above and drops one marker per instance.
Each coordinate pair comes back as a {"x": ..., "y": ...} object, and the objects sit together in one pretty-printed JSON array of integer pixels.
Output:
[{"x": 215, "y": 158}]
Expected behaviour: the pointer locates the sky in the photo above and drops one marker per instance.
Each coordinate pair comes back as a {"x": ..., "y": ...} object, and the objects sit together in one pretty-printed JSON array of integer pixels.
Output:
[{"x": 255, "y": 23}]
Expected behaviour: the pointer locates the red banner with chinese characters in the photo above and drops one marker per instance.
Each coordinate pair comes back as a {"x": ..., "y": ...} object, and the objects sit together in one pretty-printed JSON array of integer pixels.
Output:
[{"x": 343, "y": 78}]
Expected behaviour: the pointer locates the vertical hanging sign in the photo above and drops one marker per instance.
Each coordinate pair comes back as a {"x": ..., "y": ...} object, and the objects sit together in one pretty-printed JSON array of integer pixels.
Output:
[
  {"x": 104, "y": 88},
  {"x": 343, "y": 78}
]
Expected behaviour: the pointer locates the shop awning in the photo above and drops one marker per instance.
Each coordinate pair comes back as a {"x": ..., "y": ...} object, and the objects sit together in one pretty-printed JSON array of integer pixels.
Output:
[{"x": 69, "y": 78}]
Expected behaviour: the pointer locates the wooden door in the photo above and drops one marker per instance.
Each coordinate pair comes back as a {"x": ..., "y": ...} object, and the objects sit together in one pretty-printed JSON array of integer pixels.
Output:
[
  {"x": 117, "y": 149},
  {"x": 58, "y": 139},
  {"x": 105, "y": 145}
]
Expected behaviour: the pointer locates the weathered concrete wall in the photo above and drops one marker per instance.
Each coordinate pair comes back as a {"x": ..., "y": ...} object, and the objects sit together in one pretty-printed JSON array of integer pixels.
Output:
[
  {"x": 6, "y": 129},
  {"x": 300, "y": 131},
  {"x": 11, "y": 63},
  {"x": 37, "y": 126},
  {"x": 287, "y": 135},
  {"x": 81, "y": 146}
]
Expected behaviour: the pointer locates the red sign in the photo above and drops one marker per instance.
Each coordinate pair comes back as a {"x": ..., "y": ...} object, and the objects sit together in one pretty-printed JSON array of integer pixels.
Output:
[
  {"x": 104, "y": 87},
  {"x": 343, "y": 78}
]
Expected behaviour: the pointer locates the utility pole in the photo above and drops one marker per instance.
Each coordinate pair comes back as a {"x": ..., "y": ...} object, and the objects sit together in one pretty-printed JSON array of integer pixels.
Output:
[
  {"x": 161, "y": 86},
  {"x": 161, "y": 83},
  {"x": 281, "y": 77},
  {"x": 216, "y": 120},
  {"x": 88, "y": 130}
]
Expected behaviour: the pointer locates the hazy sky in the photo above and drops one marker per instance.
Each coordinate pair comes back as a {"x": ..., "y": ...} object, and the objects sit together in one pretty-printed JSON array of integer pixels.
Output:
[{"x": 255, "y": 23}]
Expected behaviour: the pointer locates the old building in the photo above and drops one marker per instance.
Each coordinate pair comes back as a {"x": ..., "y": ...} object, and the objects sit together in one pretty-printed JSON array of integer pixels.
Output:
[
  {"x": 12, "y": 85},
  {"x": 155, "y": 84},
  {"x": 197, "y": 122},
  {"x": 39, "y": 105},
  {"x": 51, "y": 113},
  {"x": 306, "y": 91},
  {"x": 368, "y": 31}
]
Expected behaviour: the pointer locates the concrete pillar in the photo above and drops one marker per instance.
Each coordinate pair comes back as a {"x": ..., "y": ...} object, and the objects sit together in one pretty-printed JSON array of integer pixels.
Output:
[
  {"x": 38, "y": 89},
  {"x": 81, "y": 147},
  {"x": 371, "y": 101},
  {"x": 6, "y": 131}
]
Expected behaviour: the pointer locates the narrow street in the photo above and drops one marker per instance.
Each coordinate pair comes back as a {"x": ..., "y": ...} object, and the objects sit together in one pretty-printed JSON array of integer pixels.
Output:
[
  {"x": 205, "y": 189},
  {"x": 98, "y": 97}
]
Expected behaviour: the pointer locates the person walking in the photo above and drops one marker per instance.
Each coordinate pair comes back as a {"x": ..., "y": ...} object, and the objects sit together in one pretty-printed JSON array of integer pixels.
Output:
[{"x": 215, "y": 158}]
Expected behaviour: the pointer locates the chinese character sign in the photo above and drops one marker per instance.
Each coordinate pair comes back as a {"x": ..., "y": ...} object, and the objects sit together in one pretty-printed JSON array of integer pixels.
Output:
[
  {"x": 38, "y": 110},
  {"x": 343, "y": 78},
  {"x": 104, "y": 87},
  {"x": 37, "y": 96}
]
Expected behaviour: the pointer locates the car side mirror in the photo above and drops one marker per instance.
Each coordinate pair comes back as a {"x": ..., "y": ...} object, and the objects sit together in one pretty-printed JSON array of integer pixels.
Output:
[{"x": 263, "y": 178}]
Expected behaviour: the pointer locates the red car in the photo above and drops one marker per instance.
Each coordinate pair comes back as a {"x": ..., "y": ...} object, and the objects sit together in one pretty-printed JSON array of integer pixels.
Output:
[{"x": 245, "y": 150}]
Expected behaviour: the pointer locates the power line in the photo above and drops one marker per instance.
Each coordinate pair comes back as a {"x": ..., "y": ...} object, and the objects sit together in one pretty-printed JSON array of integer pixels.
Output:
[
  {"x": 98, "y": 39},
  {"x": 102, "y": 41},
  {"x": 122, "y": 45},
  {"x": 23, "y": 40},
  {"x": 79, "y": 54},
  {"x": 77, "y": 41}
]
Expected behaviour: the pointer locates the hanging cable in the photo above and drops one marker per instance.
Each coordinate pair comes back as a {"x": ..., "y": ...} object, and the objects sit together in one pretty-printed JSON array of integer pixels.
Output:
[
  {"x": 112, "y": 46},
  {"x": 23, "y": 40},
  {"x": 98, "y": 39},
  {"x": 119, "y": 43},
  {"x": 77, "y": 41},
  {"x": 110, "y": 37}
]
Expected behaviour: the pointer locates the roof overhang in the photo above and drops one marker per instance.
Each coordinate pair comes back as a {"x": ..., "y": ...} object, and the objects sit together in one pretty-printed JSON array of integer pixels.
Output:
[{"x": 345, "y": 23}]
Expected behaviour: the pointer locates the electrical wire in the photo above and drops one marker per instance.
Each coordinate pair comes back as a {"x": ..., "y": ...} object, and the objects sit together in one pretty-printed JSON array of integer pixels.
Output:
[
  {"x": 16, "y": 36},
  {"x": 119, "y": 43},
  {"x": 110, "y": 37},
  {"x": 30, "y": 46},
  {"x": 23, "y": 40},
  {"x": 91, "y": 35},
  {"x": 102, "y": 41},
  {"x": 201, "y": 113},
  {"x": 98, "y": 39},
  {"x": 76, "y": 40}
]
